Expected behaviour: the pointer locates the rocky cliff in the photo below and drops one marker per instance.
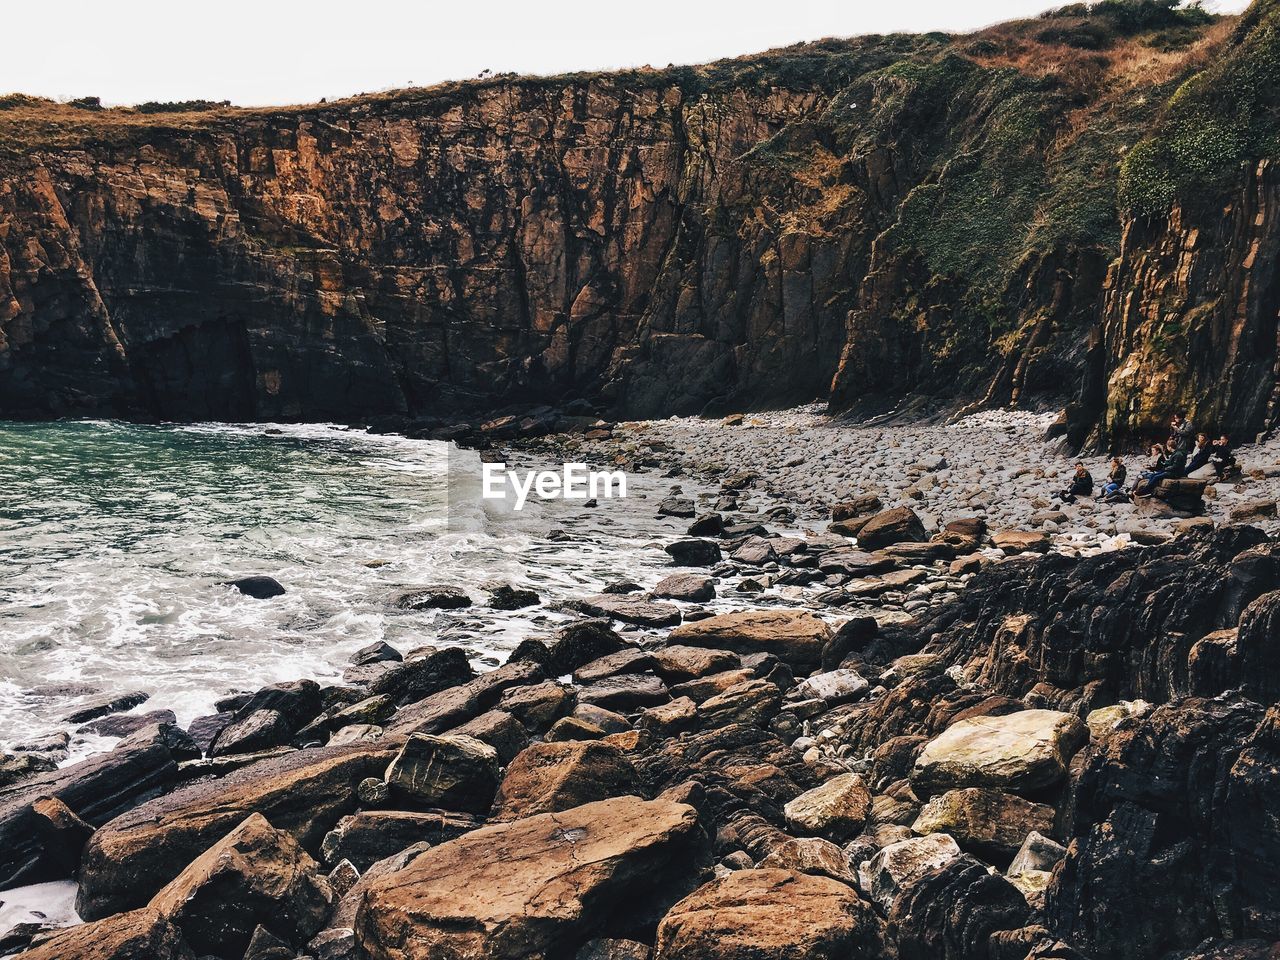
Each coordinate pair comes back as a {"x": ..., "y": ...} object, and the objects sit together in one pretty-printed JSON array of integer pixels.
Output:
[{"x": 912, "y": 222}]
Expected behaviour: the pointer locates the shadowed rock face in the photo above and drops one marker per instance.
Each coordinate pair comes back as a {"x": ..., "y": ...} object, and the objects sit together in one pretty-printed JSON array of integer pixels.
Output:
[{"x": 870, "y": 219}]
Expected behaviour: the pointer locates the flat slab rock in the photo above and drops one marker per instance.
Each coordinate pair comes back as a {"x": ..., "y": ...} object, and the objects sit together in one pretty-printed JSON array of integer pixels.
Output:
[
  {"x": 795, "y": 636},
  {"x": 529, "y": 888},
  {"x": 646, "y": 613}
]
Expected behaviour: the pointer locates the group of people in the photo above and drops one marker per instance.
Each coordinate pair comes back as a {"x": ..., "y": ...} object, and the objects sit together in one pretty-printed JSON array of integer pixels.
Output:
[{"x": 1180, "y": 456}]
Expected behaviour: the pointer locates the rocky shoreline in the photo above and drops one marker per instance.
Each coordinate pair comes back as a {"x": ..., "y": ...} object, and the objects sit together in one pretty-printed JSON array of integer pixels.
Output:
[{"x": 919, "y": 733}]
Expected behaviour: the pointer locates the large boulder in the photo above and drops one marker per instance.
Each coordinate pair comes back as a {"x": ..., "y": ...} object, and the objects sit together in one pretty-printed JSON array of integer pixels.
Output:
[
  {"x": 304, "y": 794},
  {"x": 836, "y": 810},
  {"x": 369, "y": 836},
  {"x": 897, "y": 525},
  {"x": 451, "y": 707},
  {"x": 454, "y": 772},
  {"x": 899, "y": 864},
  {"x": 531, "y": 888},
  {"x": 254, "y": 876},
  {"x": 794, "y": 636},
  {"x": 770, "y": 914},
  {"x": 1017, "y": 752},
  {"x": 136, "y": 935},
  {"x": 269, "y": 718},
  {"x": 550, "y": 777},
  {"x": 987, "y": 822}
]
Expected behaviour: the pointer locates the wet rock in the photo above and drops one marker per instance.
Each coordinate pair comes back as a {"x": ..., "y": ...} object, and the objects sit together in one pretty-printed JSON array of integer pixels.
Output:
[
  {"x": 455, "y": 706},
  {"x": 367, "y": 837},
  {"x": 676, "y": 507},
  {"x": 865, "y": 505},
  {"x": 452, "y": 772},
  {"x": 613, "y": 950},
  {"x": 630, "y": 610},
  {"x": 836, "y": 810},
  {"x": 551, "y": 777},
  {"x": 532, "y": 887},
  {"x": 678, "y": 663},
  {"x": 771, "y": 915},
  {"x": 707, "y": 525},
  {"x": 137, "y": 935},
  {"x": 694, "y": 553},
  {"x": 573, "y": 728},
  {"x": 123, "y": 724},
  {"x": 376, "y": 652},
  {"x": 986, "y": 822},
  {"x": 507, "y": 597},
  {"x": 62, "y": 833},
  {"x": 668, "y": 719},
  {"x": 269, "y": 718},
  {"x": 1017, "y": 752},
  {"x": 255, "y": 876},
  {"x": 432, "y": 598},
  {"x": 615, "y": 664},
  {"x": 101, "y": 706},
  {"x": 606, "y": 720},
  {"x": 180, "y": 744},
  {"x": 204, "y": 730},
  {"x": 17, "y": 767},
  {"x": 896, "y": 525},
  {"x": 689, "y": 587},
  {"x": 95, "y": 790},
  {"x": 949, "y": 913},
  {"x": 899, "y": 864},
  {"x": 755, "y": 552},
  {"x": 258, "y": 587},
  {"x": 418, "y": 678},
  {"x": 303, "y": 793},
  {"x": 812, "y": 855},
  {"x": 625, "y": 692},
  {"x": 794, "y": 636}
]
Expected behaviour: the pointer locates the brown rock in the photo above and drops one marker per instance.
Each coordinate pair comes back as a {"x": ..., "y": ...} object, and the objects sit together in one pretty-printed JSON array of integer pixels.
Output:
[
  {"x": 770, "y": 915},
  {"x": 984, "y": 821},
  {"x": 529, "y": 888},
  {"x": 302, "y": 794},
  {"x": 452, "y": 771},
  {"x": 550, "y": 777},
  {"x": 794, "y": 636},
  {"x": 836, "y": 810},
  {"x": 137, "y": 935},
  {"x": 372, "y": 835},
  {"x": 897, "y": 525},
  {"x": 255, "y": 876}
]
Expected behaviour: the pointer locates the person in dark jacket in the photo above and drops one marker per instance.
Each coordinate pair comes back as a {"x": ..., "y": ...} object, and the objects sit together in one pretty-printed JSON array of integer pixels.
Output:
[
  {"x": 1200, "y": 456},
  {"x": 1114, "y": 487},
  {"x": 1222, "y": 459},
  {"x": 1081, "y": 484},
  {"x": 1181, "y": 430},
  {"x": 1154, "y": 473}
]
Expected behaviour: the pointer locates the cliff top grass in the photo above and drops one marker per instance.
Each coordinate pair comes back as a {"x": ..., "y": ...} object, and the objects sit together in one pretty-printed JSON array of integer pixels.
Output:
[{"x": 1066, "y": 41}]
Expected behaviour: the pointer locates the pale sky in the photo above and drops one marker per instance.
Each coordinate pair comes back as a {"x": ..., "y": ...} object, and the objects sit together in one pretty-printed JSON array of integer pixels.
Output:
[{"x": 256, "y": 52}]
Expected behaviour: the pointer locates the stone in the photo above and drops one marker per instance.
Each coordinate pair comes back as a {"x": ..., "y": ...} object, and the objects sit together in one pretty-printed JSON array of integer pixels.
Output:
[
  {"x": 669, "y": 719},
  {"x": 678, "y": 663},
  {"x": 753, "y": 703},
  {"x": 676, "y": 507},
  {"x": 507, "y": 597},
  {"x": 123, "y": 724},
  {"x": 812, "y": 855},
  {"x": 302, "y": 793},
  {"x": 707, "y": 525},
  {"x": 573, "y": 728},
  {"x": 1021, "y": 541},
  {"x": 689, "y": 587},
  {"x": 755, "y": 552},
  {"x": 258, "y": 587},
  {"x": 794, "y": 636},
  {"x": 629, "y": 609},
  {"x": 551, "y": 777},
  {"x": 950, "y": 913},
  {"x": 770, "y": 914},
  {"x": 432, "y": 598},
  {"x": 607, "y": 949},
  {"x": 694, "y": 553},
  {"x": 369, "y": 836},
  {"x": 420, "y": 677},
  {"x": 836, "y": 810},
  {"x": 500, "y": 730},
  {"x": 1037, "y": 853},
  {"x": 1103, "y": 720},
  {"x": 625, "y": 692},
  {"x": 538, "y": 705},
  {"x": 834, "y": 686},
  {"x": 269, "y": 718},
  {"x": 860, "y": 506},
  {"x": 899, "y": 864},
  {"x": 377, "y": 652},
  {"x": 459, "y": 704},
  {"x": 101, "y": 706},
  {"x": 95, "y": 790},
  {"x": 452, "y": 772},
  {"x": 1017, "y": 752},
  {"x": 255, "y": 875},
  {"x": 136, "y": 935},
  {"x": 983, "y": 821},
  {"x": 532, "y": 887},
  {"x": 896, "y": 525},
  {"x": 624, "y": 661}
]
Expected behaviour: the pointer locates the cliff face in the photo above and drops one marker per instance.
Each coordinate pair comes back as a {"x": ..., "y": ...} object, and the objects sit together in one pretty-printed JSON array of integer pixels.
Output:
[{"x": 928, "y": 219}]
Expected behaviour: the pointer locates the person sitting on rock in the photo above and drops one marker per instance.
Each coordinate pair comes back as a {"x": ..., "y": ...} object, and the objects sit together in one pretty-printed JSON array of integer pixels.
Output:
[
  {"x": 1175, "y": 466},
  {"x": 1199, "y": 459},
  {"x": 1081, "y": 484},
  {"x": 1222, "y": 459},
  {"x": 1113, "y": 489},
  {"x": 1159, "y": 457}
]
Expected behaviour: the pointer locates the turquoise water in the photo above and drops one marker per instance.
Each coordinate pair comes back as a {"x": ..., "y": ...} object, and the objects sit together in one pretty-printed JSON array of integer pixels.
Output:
[{"x": 115, "y": 540}]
